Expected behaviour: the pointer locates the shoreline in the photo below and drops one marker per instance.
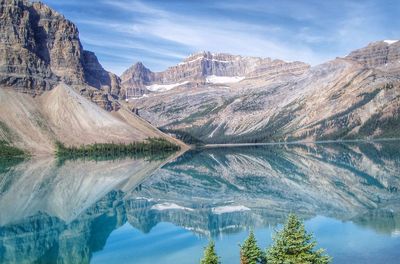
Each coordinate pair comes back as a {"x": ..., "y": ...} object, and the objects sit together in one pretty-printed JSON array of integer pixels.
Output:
[{"x": 297, "y": 142}]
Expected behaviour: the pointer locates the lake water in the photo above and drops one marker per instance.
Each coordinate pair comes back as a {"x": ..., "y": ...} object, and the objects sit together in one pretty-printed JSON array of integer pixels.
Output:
[{"x": 132, "y": 211}]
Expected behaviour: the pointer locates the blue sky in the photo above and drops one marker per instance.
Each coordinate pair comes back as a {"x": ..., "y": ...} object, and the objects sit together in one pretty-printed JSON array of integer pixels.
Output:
[{"x": 160, "y": 33}]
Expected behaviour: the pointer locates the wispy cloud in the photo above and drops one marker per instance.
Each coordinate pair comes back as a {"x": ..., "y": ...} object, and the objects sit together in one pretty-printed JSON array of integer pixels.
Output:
[
  {"x": 161, "y": 33},
  {"x": 217, "y": 34}
]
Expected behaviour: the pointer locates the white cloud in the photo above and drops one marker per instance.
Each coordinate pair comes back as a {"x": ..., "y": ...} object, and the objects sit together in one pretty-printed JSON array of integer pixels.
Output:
[
  {"x": 160, "y": 35},
  {"x": 128, "y": 44},
  {"x": 136, "y": 6},
  {"x": 218, "y": 35}
]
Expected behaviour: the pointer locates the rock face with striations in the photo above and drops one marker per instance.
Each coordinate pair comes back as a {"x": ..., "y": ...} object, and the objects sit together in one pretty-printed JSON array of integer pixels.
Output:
[
  {"x": 377, "y": 54},
  {"x": 137, "y": 76},
  {"x": 40, "y": 48},
  {"x": 347, "y": 98},
  {"x": 208, "y": 68}
]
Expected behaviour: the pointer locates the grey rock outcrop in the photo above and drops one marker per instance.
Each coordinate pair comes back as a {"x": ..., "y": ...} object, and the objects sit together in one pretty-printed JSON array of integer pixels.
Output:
[
  {"x": 96, "y": 76},
  {"x": 22, "y": 63},
  {"x": 40, "y": 48},
  {"x": 137, "y": 75},
  {"x": 377, "y": 53}
]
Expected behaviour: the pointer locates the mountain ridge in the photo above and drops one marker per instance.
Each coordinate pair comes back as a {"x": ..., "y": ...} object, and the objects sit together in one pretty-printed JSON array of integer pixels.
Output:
[
  {"x": 205, "y": 67},
  {"x": 346, "y": 98}
]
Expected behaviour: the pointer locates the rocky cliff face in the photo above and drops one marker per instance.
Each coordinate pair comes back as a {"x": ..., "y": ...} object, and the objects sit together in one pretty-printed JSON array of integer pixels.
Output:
[
  {"x": 377, "y": 54},
  {"x": 46, "y": 80},
  {"x": 208, "y": 68},
  {"x": 40, "y": 48},
  {"x": 353, "y": 97}
]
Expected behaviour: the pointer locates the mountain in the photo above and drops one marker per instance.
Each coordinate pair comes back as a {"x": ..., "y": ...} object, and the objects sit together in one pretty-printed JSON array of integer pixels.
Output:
[
  {"x": 62, "y": 114},
  {"x": 40, "y": 48},
  {"x": 214, "y": 98},
  {"x": 382, "y": 54},
  {"x": 207, "y": 98},
  {"x": 207, "y": 68},
  {"x": 51, "y": 89}
]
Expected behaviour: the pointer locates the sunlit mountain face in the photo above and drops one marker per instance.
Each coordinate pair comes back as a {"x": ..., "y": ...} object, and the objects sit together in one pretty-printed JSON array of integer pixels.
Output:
[{"x": 69, "y": 212}]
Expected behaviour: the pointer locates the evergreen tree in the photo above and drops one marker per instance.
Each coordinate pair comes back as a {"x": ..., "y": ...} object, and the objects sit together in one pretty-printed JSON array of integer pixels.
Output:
[
  {"x": 250, "y": 253},
  {"x": 293, "y": 245},
  {"x": 210, "y": 256}
]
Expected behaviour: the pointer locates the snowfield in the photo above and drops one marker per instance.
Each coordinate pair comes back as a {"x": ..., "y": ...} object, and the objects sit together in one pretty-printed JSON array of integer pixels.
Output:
[
  {"x": 390, "y": 42},
  {"x": 164, "y": 87},
  {"x": 224, "y": 79}
]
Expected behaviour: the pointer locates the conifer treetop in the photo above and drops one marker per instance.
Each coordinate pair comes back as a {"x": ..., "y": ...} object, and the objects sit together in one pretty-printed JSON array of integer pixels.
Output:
[
  {"x": 293, "y": 245},
  {"x": 210, "y": 255}
]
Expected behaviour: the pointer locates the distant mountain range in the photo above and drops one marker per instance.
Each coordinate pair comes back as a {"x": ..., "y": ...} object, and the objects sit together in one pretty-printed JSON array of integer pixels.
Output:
[
  {"x": 207, "y": 68},
  {"x": 53, "y": 90},
  {"x": 221, "y": 98}
]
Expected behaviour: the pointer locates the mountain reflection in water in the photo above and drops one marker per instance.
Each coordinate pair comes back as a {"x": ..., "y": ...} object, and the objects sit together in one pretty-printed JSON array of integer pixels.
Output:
[{"x": 63, "y": 213}]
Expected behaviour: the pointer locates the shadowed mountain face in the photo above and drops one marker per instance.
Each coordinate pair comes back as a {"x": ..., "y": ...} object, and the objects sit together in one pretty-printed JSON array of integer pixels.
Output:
[
  {"x": 40, "y": 48},
  {"x": 62, "y": 213}
]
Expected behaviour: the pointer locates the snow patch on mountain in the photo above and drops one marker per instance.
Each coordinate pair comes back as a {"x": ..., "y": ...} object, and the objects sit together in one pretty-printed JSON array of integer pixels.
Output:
[
  {"x": 390, "y": 42},
  {"x": 206, "y": 59},
  {"x": 191, "y": 61},
  {"x": 164, "y": 87},
  {"x": 224, "y": 79}
]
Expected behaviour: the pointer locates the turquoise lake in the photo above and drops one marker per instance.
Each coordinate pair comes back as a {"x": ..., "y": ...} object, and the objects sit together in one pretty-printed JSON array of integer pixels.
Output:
[{"x": 165, "y": 211}]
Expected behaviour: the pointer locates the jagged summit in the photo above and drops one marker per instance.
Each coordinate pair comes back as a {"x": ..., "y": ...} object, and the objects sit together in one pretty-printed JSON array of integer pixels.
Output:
[
  {"x": 137, "y": 74},
  {"x": 208, "y": 55},
  {"x": 40, "y": 48},
  {"x": 207, "y": 68},
  {"x": 376, "y": 54}
]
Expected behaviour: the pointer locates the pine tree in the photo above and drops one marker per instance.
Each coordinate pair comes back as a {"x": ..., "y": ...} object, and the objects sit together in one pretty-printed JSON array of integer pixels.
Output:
[
  {"x": 293, "y": 245},
  {"x": 250, "y": 253},
  {"x": 210, "y": 256}
]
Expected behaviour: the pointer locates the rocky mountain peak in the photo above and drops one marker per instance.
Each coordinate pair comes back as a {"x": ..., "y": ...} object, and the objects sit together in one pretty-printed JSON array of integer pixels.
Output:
[
  {"x": 137, "y": 67},
  {"x": 380, "y": 53},
  {"x": 40, "y": 48},
  {"x": 207, "y": 55},
  {"x": 136, "y": 76}
]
